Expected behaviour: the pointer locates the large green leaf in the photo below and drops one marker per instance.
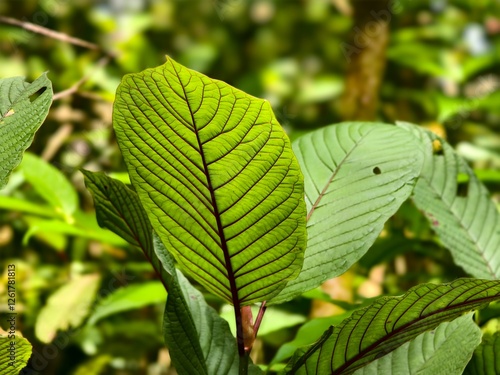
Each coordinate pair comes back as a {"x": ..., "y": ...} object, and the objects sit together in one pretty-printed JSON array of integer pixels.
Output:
[
  {"x": 217, "y": 176},
  {"x": 462, "y": 214},
  {"x": 356, "y": 176},
  {"x": 388, "y": 323},
  {"x": 14, "y": 354},
  {"x": 486, "y": 358},
  {"x": 200, "y": 342},
  {"x": 443, "y": 351},
  {"x": 23, "y": 108}
]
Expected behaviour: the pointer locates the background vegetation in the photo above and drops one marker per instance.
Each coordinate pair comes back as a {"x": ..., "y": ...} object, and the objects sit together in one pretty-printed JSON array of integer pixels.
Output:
[{"x": 435, "y": 63}]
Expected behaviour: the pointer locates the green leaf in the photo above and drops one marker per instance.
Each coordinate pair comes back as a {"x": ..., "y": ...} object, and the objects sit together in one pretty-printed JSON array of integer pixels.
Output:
[
  {"x": 22, "y": 353},
  {"x": 462, "y": 214},
  {"x": 486, "y": 358},
  {"x": 193, "y": 347},
  {"x": 67, "y": 307},
  {"x": 51, "y": 184},
  {"x": 388, "y": 323},
  {"x": 119, "y": 209},
  {"x": 306, "y": 335},
  {"x": 356, "y": 176},
  {"x": 21, "y": 114},
  {"x": 38, "y": 225},
  {"x": 217, "y": 176},
  {"x": 128, "y": 298},
  {"x": 443, "y": 351}
]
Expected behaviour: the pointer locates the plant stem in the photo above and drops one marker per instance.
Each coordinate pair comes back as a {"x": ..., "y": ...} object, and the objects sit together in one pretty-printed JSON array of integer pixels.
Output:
[
  {"x": 244, "y": 364},
  {"x": 240, "y": 341}
]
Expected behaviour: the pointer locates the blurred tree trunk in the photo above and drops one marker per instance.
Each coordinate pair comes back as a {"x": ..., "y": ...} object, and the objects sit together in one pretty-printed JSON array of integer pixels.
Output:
[{"x": 366, "y": 57}]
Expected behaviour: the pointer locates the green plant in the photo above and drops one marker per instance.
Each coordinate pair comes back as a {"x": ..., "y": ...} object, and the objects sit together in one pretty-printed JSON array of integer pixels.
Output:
[{"x": 218, "y": 193}]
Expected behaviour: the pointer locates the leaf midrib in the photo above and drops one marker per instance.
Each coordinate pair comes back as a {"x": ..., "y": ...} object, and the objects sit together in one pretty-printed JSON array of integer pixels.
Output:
[
  {"x": 220, "y": 228},
  {"x": 353, "y": 360}
]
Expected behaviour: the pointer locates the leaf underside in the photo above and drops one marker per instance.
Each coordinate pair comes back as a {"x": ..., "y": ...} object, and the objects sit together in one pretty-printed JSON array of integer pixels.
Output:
[
  {"x": 462, "y": 214},
  {"x": 217, "y": 177},
  {"x": 443, "y": 351},
  {"x": 388, "y": 323},
  {"x": 356, "y": 176},
  {"x": 21, "y": 114},
  {"x": 21, "y": 354},
  {"x": 486, "y": 358}
]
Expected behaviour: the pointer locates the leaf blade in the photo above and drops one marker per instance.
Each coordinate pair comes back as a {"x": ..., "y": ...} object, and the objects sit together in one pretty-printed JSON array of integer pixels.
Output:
[
  {"x": 443, "y": 351},
  {"x": 210, "y": 161},
  {"x": 353, "y": 185},
  {"x": 390, "y": 322},
  {"x": 20, "y": 118},
  {"x": 462, "y": 214}
]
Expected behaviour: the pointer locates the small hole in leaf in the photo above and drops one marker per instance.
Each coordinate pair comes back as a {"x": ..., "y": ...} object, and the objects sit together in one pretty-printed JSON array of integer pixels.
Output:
[
  {"x": 437, "y": 147},
  {"x": 377, "y": 170},
  {"x": 35, "y": 96},
  {"x": 463, "y": 189}
]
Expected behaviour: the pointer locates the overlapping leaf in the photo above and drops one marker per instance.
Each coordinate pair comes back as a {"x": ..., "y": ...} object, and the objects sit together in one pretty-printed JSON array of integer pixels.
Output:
[
  {"x": 23, "y": 108},
  {"x": 443, "y": 351},
  {"x": 390, "y": 322},
  {"x": 462, "y": 214},
  {"x": 217, "y": 177},
  {"x": 200, "y": 342},
  {"x": 486, "y": 358},
  {"x": 356, "y": 176}
]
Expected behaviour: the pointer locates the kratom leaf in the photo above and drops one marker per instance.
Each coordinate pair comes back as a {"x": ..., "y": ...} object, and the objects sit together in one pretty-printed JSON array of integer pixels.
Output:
[
  {"x": 118, "y": 209},
  {"x": 388, "y": 323},
  {"x": 51, "y": 184},
  {"x": 67, "y": 307},
  {"x": 217, "y": 177},
  {"x": 486, "y": 358},
  {"x": 443, "y": 351},
  {"x": 306, "y": 335},
  {"x": 22, "y": 353},
  {"x": 356, "y": 176},
  {"x": 129, "y": 297},
  {"x": 462, "y": 214},
  {"x": 21, "y": 114},
  {"x": 193, "y": 347}
]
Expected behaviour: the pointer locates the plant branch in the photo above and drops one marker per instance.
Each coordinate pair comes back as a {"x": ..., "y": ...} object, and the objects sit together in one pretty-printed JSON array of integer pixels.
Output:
[
  {"x": 258, "y": 320},
  {"x": 51, "y": 33}
]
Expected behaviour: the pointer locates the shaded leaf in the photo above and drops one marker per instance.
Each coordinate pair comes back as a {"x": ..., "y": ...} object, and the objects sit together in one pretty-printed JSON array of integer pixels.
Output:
[
  {"x": 129, "y": 297},
  {"x": 486, "y": 358},
  {"x": 22, "y": 353},
  {"x": 443, "y": 351},
  {"x": 67, "y": 307},
  {"x": 461, "y": 213},
  {"x": 217, "y": 177},
  {"x": 356, "y": 176},
  {"x": 388, "y": 323},
  {"x": 193, "y": 347},
  {"x": 21, "y": 114}
]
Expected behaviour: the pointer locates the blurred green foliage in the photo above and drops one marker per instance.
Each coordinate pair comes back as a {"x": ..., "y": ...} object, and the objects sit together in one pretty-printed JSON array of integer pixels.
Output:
[{"x": 442, "y": 71}]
